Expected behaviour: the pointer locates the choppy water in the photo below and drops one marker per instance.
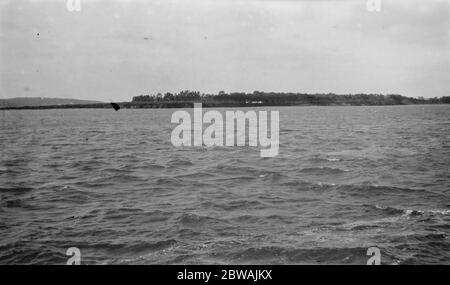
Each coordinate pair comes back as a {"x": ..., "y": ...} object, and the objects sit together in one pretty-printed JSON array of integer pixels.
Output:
[{"x": 111, "y": 184}]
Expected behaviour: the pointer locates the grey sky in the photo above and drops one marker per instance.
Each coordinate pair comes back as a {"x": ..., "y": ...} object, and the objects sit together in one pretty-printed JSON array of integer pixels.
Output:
[{"x": 122, "y": 48}]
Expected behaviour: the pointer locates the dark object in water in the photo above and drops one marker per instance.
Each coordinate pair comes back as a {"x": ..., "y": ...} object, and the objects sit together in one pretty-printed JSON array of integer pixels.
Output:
[{"x": 115, "y": 106}]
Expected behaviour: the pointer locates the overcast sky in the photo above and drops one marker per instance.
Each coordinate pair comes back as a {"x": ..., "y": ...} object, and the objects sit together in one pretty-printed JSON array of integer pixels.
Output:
[{"x": 121, "y": 48}]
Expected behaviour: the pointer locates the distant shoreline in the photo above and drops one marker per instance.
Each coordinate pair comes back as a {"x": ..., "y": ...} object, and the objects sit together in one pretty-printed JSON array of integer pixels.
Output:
[
  {"x": 171, "y": 105},
  {"x": 187, "y": 98}
]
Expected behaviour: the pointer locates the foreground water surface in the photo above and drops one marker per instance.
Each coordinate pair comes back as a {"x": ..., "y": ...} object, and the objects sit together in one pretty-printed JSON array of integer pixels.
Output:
[{"x": 112, "y": 184}]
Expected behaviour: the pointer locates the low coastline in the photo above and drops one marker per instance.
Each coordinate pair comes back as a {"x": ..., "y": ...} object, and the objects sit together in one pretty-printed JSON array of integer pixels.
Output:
[
  {"x": 190, "y": 104},
  {"x": 186, "y": 99}
]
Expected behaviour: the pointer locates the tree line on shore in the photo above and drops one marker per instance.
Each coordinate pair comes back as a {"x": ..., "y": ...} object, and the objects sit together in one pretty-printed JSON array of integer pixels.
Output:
[
  {"x": 281, "y": 98},
  {"x": 186, "y": 98}
]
